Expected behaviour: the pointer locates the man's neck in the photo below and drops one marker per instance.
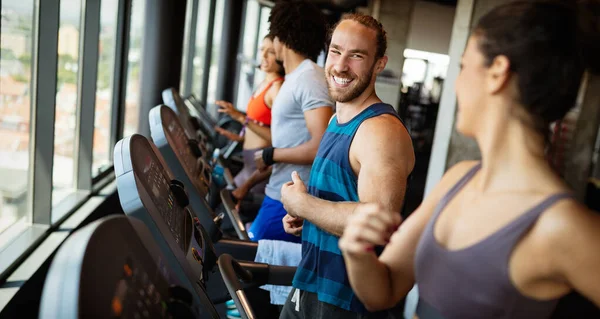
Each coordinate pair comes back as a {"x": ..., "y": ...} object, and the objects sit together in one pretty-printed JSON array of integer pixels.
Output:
[
  {"x": 291, "y": 60},
  {"x": 348, "y": 110}
]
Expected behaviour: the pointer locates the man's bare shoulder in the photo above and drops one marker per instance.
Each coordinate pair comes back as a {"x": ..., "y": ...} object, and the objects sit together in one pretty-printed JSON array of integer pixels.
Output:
[
  {"x": 383, "y": 139},
  {"x": 385, "y": 129}
]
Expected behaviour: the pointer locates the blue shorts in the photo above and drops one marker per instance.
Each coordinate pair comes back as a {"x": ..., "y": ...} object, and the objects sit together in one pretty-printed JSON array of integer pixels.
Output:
[{"x": 268, "y": 224}]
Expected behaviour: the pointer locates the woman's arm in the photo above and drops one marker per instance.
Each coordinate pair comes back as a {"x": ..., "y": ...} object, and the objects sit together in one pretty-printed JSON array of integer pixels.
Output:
[
  {"x": 229, "y": 135},
  {"x": 381, "y": 282},
  {"x": 573, "y": 247},
  {"x": 262, "y": 131}
]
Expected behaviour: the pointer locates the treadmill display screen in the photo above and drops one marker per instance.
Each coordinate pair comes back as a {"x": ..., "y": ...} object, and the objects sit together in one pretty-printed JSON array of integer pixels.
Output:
[
  {"x": 178, "y": 141},
  {"x": 183, "y": 112},
  {"x": 139, "y": 294},
  {"x": 203, "y": 113},
  {"x": 157, "y": 185}
]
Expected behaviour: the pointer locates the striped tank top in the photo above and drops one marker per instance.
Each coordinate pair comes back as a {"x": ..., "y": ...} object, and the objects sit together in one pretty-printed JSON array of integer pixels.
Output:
[{"x": 322, "y": 270}]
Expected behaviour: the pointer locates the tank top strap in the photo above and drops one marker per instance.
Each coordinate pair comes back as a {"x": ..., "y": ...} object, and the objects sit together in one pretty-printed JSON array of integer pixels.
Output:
[
  {"x": 457, "y": 187},
  {"x": 264, "y": 91},
  {"x": 513, "y": 231}
]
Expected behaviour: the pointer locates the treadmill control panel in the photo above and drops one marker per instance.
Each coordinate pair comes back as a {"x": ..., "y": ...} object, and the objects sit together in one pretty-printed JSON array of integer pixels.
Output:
[
  {"x": 173, "y": 100},
  {"x": 178, "y": 139},
  {"x": 112, "y": 268},
  {"x": 139, "y": 294},
  {"x": 170, "y": 201},
  {"x": 196, "y": 167},
  {"x": 154, "y": 180}
]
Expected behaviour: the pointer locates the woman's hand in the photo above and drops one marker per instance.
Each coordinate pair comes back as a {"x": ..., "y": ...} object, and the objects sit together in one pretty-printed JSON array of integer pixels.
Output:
[
  {"x": 227, "y": 108},
  {"x": 230, "y": 135},
  {"x": 369, "y": 226}
]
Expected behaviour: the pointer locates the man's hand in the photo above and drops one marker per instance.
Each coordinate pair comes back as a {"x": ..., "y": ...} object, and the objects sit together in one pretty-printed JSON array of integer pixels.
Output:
[
  {"x": 240, "y": 192},
  {"x": 292, "y": 194},
  {"x": 227, "y": 108},
  {"x": 292, "y": 225}
]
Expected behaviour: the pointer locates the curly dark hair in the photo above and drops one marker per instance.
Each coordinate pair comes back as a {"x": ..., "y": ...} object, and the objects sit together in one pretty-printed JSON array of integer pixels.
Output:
[{"x": 300, "y": 26}]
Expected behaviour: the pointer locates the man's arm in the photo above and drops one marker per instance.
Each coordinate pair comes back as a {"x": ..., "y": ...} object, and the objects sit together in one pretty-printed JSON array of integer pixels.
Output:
[
  {"x": 304, "y": 154},
  {"x": 382, "y": 153}
]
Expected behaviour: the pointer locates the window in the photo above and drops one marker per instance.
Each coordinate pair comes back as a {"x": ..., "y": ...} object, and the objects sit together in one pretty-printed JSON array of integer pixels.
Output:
[
  {"x": 215, "y": 55},
  {"x": 132, "y": 97},
  {"x": 102, "y": 156},
  {"x": 247, "y": 68},
  {"x": 263, "y": 29},
  {"x": 66, "y": 100},
  {"x": 17, "y": 35},
  {"x": 200, "y": 47}
]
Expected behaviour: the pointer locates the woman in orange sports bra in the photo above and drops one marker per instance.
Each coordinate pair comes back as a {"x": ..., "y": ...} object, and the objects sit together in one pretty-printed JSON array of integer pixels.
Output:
[{"x": 256, "y": 133}]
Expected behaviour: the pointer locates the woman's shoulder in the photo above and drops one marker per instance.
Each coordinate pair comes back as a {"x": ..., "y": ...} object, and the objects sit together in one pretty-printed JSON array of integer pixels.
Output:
[
  {"x": 450, "y": 178},
  {"x": 565, "y": 218}
]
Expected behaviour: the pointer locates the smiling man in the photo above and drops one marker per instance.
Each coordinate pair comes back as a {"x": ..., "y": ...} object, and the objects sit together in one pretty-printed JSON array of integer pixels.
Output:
[{"x": 364, "y": 157}]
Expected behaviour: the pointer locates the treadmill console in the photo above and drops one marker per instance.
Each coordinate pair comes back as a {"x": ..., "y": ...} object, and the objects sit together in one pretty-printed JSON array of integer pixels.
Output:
[
  {"x": 166, "y": 129},
  {"x": 178, "y": 154},
  {"x": 152, "y": 177},
  {"x": 172, "y": 99},
  {"x": 105, "y": 271},
  {"x": 192, "y": 103},
  {"x": 147, "y": 192}
]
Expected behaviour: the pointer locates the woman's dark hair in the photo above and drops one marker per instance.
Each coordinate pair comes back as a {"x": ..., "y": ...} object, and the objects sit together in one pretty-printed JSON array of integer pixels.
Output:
[
  {"x": 549, "y": 45},
  {"x": 300, "y": 26},
  {"x": 280, "y": 70}
]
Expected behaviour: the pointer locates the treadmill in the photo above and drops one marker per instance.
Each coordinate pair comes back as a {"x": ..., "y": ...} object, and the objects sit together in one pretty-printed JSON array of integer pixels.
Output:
[
  {"x": 207, "y": 124},
  {"x": 200, "y": 120},
  {"x": 202, "y": 127},
  {"x": 145, "y": 184},
  {"x": 112, "y": 268},
  {"x": 172, "y": 99},
  {"x": 181, "y": 157},
  {"x": 147, "y": 192}
]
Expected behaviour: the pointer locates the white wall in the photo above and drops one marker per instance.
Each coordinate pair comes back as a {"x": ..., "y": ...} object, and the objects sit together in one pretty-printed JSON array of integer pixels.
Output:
[{"x": 431, "y": 27}]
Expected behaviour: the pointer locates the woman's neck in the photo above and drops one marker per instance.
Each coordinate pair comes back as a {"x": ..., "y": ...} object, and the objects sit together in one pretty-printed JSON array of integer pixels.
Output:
[
  {"x": 512, "y": 153},
  {"x": 271, "y": 76}
]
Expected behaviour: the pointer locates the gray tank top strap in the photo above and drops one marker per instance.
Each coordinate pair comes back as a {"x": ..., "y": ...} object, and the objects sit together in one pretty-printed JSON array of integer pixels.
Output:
[
  {"x": 455, "y": 189},
  {"x": 510, "y": 234}
]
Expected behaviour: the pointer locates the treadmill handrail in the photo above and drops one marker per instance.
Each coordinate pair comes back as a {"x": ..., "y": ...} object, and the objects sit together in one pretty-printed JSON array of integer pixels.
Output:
[
  {"x": 233, "y": 214},
  {"x": 231, "y": 270}
]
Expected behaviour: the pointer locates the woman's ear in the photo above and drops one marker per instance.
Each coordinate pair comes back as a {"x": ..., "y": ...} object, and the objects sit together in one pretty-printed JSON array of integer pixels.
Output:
[{"x": 498, "y": 74}]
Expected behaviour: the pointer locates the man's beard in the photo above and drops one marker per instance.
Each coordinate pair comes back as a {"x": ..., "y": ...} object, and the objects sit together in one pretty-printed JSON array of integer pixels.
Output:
[{"x": 351, "y": 92}]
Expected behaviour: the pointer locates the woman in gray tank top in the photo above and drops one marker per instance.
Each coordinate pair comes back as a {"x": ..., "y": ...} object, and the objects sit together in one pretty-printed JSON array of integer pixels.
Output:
[{"x": 500, "y": 238}]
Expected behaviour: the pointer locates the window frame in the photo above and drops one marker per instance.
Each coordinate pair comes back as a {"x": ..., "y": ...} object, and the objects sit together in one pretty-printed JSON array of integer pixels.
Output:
[
  {"x": 44, "y": 70},
  {"x": 190, "y": 50},
  {"x": 241, "y": 61}
]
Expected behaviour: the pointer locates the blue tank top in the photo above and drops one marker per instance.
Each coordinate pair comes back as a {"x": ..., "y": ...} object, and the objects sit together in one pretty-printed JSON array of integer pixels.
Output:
[{"x": 322, "y": 270}]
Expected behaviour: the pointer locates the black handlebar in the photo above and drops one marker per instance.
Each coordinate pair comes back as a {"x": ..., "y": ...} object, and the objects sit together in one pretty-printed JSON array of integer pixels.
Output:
[
  {"x": 233, "y": 214},
  {"x": 232, "y": 272}
]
